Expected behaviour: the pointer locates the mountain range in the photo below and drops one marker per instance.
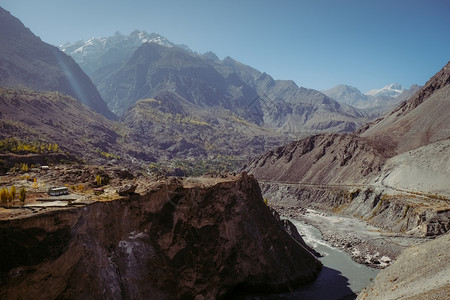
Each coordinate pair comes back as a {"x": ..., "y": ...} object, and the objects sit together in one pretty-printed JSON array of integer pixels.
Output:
[
  {"x": 31, "y": 110},
  {"x": 147, "y": 69},
  {"x": 173, "y": 103}
]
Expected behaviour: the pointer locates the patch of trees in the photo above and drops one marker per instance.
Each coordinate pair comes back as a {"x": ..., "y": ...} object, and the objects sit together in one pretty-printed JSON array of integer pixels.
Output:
[
  {"x": 7, "y": 197},
  {"x": 17, "y": 146}
]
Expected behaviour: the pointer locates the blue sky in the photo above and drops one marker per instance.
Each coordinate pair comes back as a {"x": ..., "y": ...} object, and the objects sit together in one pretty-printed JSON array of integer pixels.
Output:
[{"x": 318, "y": 44}]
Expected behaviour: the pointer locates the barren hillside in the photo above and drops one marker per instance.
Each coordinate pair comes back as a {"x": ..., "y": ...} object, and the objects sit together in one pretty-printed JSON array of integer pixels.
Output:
[{"x": 394, "y": 174}]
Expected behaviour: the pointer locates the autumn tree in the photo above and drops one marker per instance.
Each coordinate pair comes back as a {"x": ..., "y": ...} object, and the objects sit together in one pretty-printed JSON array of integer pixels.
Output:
[
  {"x": 22, "y": 195},
  {"x": 13, "y": 193},
  {"x": 4, "y": 195}
]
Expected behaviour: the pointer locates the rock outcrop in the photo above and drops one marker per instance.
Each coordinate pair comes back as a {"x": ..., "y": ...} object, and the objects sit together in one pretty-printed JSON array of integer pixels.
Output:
[
  {"x": 175, "y": 241},
  {"x": 127, "y": 189}
]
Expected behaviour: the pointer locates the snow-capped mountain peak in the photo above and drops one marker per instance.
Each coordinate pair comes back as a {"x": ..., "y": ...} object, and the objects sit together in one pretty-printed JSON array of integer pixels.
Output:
[
  {"x": 391, "y": 90},
  {"x": 135, "y": 39},
  {"x": 145, "y": 37},
  {"x": 113, "y": 48}
]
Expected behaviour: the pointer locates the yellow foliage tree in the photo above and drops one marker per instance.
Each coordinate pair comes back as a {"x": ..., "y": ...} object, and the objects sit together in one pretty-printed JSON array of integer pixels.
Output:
[
  {"x": 35, "y": 184},
  {"x": 22, "y": 195},
  {"x": 4, "y": 195},
  {"x": 24, "y": 167},
  {"x": 13, "y": 192}
]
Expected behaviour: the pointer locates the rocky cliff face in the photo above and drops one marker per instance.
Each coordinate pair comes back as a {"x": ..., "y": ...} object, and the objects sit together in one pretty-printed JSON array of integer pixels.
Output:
[{"x": 177, "y": 240}]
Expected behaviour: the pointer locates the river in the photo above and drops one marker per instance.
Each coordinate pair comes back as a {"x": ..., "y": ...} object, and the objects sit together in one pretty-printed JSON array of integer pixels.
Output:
[
  {"x": 340, "y": 278},
  {"x": 344, "y": 274}
]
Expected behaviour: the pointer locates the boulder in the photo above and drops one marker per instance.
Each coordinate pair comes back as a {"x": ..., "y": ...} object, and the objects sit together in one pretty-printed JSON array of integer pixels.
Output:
[{"x": 127, "y": 189}]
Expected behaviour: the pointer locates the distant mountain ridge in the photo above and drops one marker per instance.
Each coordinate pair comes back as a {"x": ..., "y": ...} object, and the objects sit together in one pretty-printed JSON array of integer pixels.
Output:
[
  {"x": 139, "y": 70},
  {"x": 391, "y": 90},
  {"x": 346, "y": 94},
  {"x": 374, "y": 102},
  {"x": 26, "y": 61}
]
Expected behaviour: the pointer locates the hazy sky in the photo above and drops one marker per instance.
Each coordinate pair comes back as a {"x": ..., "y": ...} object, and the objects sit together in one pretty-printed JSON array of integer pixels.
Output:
[{"x": 318, "y": 44}]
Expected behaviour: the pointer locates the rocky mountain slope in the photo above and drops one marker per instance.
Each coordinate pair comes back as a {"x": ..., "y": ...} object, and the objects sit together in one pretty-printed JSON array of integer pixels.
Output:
[
  {"x": 26, "y": 61},
  {"x": 365, "y": 175},
  {"x": 51, "y": 117},
  {"x": 322, "y": 159},
  {"x": 177, "y": 239},
  {"x": 421, "y": 272},
  {"x": 421, "y": 120},
  {"x": 170, "y": 127}
]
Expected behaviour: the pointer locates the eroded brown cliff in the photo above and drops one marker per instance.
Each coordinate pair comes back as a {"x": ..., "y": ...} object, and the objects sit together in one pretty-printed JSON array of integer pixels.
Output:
[{"x": 175, "y": 241}]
